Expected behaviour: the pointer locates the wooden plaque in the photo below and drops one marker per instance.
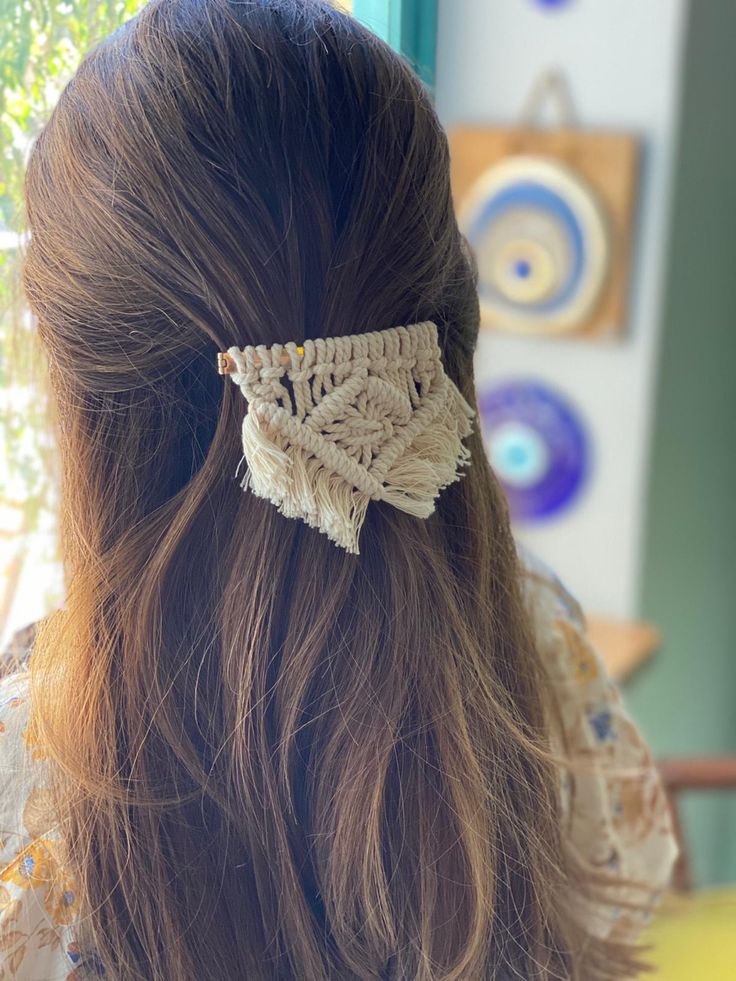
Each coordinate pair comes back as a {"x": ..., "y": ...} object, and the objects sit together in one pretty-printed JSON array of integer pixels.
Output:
[{"x": 606, "y": 163}]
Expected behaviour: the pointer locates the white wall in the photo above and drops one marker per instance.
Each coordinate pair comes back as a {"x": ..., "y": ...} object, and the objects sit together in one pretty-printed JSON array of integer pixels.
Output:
[{"x": 622, "y": 60}]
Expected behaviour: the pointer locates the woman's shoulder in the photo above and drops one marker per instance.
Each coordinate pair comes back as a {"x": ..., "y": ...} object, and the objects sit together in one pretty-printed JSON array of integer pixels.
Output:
[
  {"x": 37, "y": 899},
  {"x": 615, "y": 807},
  {"x": 585, "y": 694},
  {"x": 544, "y": 592},
  {"x": 17, "y": 758},
  {"x": 559, "y": 627}
]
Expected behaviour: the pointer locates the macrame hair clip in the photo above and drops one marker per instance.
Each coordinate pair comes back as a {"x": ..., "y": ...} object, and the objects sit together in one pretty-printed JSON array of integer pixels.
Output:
[{"x": 340, "y": 421}]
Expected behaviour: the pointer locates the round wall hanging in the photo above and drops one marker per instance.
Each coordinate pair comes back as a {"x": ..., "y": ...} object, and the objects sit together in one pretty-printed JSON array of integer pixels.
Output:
[
  {"x": 537, "y": 445},
  {"x": 540, "y": 236}
]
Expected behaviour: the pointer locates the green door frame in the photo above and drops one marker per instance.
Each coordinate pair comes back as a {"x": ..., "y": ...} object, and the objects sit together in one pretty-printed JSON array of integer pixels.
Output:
[{"x": 409, "y": 26}]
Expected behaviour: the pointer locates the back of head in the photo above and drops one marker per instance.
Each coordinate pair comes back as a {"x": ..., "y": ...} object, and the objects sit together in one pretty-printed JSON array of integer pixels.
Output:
[{"x": 286, "y": 761}]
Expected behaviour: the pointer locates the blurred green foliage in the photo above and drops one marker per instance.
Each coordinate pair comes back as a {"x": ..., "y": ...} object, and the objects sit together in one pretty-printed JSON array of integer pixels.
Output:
[{"x": 41, "y": 43}]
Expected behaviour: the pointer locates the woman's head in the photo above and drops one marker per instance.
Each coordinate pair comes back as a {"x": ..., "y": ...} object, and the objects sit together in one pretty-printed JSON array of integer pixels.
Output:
[
  {"x": 230, "y": 173},
  {"x": 286, "y": 760}
]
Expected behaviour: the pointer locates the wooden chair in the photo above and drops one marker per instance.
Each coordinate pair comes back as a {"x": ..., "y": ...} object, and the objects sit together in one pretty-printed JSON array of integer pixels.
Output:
[
  {"x": 693, "y": 936},
  {"x": 693, "y": 773}
]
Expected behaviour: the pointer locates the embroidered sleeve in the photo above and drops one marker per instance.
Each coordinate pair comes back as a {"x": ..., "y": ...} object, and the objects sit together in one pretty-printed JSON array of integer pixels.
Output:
[
  {"x": 616, "y": 811},
  {"x": 36, "y": 902}
]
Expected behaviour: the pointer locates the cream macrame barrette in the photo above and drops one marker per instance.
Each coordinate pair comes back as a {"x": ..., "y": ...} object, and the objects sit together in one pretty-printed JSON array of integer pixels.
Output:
[{"x": 339, "y": 421}]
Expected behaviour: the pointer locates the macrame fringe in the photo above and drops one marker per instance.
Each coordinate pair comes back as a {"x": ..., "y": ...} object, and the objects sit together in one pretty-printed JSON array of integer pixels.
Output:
[
  {"x": 301, "y": 486},
  {"x": 434, "y": 460}
]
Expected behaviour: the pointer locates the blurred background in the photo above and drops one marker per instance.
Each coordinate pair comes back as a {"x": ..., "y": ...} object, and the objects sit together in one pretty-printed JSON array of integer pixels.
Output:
[{"x": 594, "y": 174}]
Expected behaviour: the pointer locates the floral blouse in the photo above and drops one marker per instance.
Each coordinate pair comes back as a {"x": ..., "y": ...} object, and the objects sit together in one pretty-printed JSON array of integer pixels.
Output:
[{"x": 616, "y": 813}]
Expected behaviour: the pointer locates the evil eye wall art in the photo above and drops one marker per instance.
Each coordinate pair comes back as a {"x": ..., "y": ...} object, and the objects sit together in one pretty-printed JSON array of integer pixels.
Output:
[
  {"x": 552, "y": 4},
  {"x": 541, "y": 239},
  {"x": 538, "y": 447}
]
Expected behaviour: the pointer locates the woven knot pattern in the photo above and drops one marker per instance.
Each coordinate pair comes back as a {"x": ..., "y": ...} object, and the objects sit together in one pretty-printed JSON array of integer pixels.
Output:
[{"x": 351, "y": 407}]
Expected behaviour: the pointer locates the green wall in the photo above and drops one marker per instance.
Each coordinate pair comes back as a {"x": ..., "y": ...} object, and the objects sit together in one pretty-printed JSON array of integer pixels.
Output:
[{"x": 686, "y": 698}]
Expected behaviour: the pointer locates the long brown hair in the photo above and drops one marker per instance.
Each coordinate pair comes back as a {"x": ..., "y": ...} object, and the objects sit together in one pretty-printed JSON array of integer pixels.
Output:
[{"x": 274, "y": 759}]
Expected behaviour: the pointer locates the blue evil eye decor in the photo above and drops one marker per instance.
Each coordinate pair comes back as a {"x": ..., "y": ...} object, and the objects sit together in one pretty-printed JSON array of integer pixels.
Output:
[
  {"x": 540, "y": 236},
  {"x": 537, "y": 446}
]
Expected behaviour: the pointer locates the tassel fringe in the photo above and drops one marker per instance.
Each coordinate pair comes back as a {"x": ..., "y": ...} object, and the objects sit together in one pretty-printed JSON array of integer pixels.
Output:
[{"x": 327, "y": 474}]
